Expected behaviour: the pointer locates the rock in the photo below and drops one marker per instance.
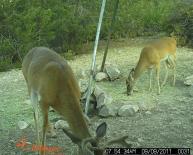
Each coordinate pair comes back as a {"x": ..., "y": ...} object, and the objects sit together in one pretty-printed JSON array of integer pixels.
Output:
[
  {"x": 101, "y": 76},
  {"x": 136, "y": 108},
  {"x": 61, "y": 124},
  {"x": 12, "y": 141},
  {"x": 51, "y": 109},
  {"x": 135, "y": 89},
  {"x": 23, "y": 125},
  {"x": 103, "y": 99},
  {"x": 128, "y": 110},
  {"x": 97, "y": 91},
  {"x": 112, "y": 71},
  {"x": 27, "y": 102},
  {"x": 108, "y": 110},
  {"x": 140, "y": 140},
  {"x": 148, "y": 112},
  {"x": 188, "y": 80},
  {"x": 83, "y": 84}
]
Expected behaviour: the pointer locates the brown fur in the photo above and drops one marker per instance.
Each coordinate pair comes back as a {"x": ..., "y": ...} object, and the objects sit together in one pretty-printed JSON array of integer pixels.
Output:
[
  {"x": 151, "y": 56},
  {"x": 48, "y": 75}
]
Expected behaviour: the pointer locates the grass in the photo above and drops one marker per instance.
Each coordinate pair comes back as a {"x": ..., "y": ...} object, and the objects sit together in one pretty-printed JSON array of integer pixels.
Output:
[{"x": 168, "y": 125}]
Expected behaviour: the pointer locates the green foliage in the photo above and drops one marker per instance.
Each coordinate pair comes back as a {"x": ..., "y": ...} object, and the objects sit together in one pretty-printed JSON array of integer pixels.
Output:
[
  {"x": 142, "y": 17},
  {"x": 65, "y": 25},
  {"x": 180, "y": 23}
]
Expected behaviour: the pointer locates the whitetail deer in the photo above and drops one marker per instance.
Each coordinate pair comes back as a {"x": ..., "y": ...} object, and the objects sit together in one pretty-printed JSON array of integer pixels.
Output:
[
  {"x": 151, "y": 55},
  {"x": 51, "y": 82}
]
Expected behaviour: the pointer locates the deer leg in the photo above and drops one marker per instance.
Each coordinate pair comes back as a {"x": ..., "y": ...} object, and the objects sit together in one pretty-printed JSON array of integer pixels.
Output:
[
  {"x": 44, "y": 109},
  {"x": 166, "y": 75},
  {"x": 157, "y": 76},
  {"x": 173, "y": 61},
  {"x": 150, "y": 79},
  {"x": 174, "y": 72},
  {"x": 34, "y": 101}
]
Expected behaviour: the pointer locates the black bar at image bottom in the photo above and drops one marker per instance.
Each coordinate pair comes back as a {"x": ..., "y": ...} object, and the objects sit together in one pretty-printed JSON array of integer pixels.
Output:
[{"x": 147, "y": 151}]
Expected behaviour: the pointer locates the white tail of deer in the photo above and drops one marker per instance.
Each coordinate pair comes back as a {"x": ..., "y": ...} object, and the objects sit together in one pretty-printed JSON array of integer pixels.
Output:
[
  {"x": 163, "y": 49},
  {"x": 51, "y": 82}
]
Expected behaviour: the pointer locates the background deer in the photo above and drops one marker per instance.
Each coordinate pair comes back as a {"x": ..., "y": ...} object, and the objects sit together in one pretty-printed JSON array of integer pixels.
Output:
[
  {"x": 51, "y": 82},
  {"x": 151, "y": 55}
]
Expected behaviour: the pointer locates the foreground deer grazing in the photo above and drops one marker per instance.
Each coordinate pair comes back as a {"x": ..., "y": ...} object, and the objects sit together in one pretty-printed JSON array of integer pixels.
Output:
[
  {"x": 51, "y": 82},
  {"x": 160, "y": 50}
]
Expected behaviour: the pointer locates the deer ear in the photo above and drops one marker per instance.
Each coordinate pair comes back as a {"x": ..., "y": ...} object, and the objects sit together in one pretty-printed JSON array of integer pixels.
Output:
[
  {"x": 101, "y": 130},
  {"x": 74, "y": 138}
]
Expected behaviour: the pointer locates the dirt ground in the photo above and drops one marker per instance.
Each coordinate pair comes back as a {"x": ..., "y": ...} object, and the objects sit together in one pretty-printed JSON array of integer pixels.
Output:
[{"x": 169, "y": 122}]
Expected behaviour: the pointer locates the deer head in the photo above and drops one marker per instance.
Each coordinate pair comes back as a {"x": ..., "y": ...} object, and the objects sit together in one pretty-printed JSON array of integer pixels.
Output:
[{"x": 90, "y": 146}]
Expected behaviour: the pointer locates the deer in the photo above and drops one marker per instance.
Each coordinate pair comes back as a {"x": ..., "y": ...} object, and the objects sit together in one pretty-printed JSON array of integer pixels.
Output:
[
  {"x": 51, "y": 83},
  {"x": 151, "y": 56}
]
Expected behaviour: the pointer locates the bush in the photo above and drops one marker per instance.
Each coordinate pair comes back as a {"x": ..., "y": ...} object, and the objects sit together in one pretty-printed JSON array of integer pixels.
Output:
[
  {"x": 180, "y": 23},
  {"x": 66, "y": 25},
  {"x": 142, "y": 17}
]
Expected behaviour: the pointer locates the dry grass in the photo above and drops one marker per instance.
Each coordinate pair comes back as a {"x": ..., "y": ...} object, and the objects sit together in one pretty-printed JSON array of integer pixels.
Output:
[{"x": 169, "y": 124}]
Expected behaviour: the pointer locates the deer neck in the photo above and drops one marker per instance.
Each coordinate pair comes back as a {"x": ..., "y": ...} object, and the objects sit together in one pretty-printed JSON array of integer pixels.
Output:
[
  {"x": 77, "y": 121},
  {"x": 139, "y": 69}
]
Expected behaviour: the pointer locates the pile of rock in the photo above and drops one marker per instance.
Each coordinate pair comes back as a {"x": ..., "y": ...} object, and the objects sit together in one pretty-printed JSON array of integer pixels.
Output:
[
  {"x": 111, "y": 73},
  {"x": 103, "y": 105}
]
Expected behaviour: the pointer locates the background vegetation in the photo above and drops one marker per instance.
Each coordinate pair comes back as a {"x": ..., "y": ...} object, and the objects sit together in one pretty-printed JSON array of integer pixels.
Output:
[{"x": 66, "y": 25}]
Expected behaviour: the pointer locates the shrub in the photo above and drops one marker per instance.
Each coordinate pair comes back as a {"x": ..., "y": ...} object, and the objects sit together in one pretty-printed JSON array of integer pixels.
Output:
[
  {"x": 180, "y": 23},
  {"x": 66, "y": 25}
]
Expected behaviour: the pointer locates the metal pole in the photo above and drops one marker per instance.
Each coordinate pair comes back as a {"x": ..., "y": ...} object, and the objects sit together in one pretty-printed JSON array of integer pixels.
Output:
[
  {"x": 109, "y": 34},
  {"x": 94, "y": 56}
]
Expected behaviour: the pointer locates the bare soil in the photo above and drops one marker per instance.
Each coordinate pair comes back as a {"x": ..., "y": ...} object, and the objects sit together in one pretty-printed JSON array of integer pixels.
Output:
[{"x": 169, "y": 122}]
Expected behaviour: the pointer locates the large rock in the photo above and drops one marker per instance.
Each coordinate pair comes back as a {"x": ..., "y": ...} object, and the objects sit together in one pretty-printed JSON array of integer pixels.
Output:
[
  {"x": 112, "y": 71},
  {"x": 108, "y": 110},
  {"x": 61, "y": 124},
  {"x": 102, "y": 98},
  {"x": 101, "y": 76},
  {"x": 188, "y": 80},
  {"x": 128, "y": 110}
]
